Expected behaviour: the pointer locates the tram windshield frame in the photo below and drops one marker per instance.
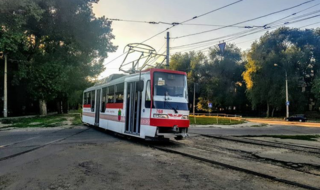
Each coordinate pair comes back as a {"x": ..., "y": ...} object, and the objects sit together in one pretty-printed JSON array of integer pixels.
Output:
[{"x": 170, "y": 85}]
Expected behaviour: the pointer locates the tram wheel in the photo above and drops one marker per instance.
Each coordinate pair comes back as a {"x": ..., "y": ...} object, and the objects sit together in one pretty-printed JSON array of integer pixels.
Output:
[{"x": 179, "y": 137}]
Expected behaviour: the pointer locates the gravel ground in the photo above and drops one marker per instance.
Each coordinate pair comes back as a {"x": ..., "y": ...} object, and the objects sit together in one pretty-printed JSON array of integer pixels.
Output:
[{"x": 96, "y": 160}]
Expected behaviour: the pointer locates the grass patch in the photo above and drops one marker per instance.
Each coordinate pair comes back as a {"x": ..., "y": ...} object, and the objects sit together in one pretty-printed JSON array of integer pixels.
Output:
[
  {"x": 46, "y": 121},
  {"x": 296, "y": 137},
  {"x": 207, "y": 120},
  {"x": 77, "y": 120},
  {"x": 78, "y": 111}
]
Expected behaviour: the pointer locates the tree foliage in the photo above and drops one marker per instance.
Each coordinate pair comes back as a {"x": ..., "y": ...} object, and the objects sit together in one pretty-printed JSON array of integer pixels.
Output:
[
  {"x": 292, "y": 51},
  {"x": 60, "y": 44},
  {"x": 218, "y": 76},
  {"x": 222, "y": 83}
]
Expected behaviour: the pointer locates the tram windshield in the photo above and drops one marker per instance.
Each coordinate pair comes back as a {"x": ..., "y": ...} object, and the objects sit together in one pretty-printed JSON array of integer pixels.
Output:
[{"x": 168, "y": 84}]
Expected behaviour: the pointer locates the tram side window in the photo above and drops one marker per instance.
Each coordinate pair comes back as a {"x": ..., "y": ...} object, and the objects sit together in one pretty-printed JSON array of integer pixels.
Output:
[
  {"x": 119, "y": 93},
  {"x": 111, "y": 94},
  {"x": 104, "y": 99},
  {"x": 93, "y": 95},
  {"x": 86, "y": 98},
  {"x": 148, "y": 95}
]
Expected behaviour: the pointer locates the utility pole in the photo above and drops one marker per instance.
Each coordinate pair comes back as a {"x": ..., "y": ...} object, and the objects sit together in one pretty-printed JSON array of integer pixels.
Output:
[
  {"x": 5, "y": 97},
  {"x": 287, "y": 96},
  {"x": 168, "y": 49},
  {"x": 194, "y": 98},
  {"x": 287, "y": 91}
]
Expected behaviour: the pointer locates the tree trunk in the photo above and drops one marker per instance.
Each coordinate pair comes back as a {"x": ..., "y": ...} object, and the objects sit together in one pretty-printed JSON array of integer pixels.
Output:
[
  {"x": 43, "y": 107},
  {"x": 272, "y": 112},
  {"x": 59, "y": 109},
  {"x": 65, "y": 106},
  {"x": 268, "y": 110}
]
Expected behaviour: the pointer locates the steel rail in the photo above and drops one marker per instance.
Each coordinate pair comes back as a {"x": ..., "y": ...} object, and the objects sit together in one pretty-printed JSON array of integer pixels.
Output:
[
  {"x": 266, "y": 176},
  {"x": 265, "y": 143},
  {"x": 41, "y": 146}
]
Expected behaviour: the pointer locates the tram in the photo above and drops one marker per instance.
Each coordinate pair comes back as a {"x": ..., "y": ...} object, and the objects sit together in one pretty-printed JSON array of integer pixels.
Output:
[{"x": 151, "y": 104}]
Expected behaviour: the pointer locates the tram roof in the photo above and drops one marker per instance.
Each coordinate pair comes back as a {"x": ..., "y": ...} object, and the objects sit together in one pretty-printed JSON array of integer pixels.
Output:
[
  {"x": 111, "y": 80},
  {"x": 119, "y": 78}
]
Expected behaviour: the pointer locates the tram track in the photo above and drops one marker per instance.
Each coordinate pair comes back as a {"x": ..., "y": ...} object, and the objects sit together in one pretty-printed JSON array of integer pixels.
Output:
[
  {"x": 237, "y": 168},
  {"x": 301, "y": 167},
  {"x": 28, "y": 139},
  {"x": 286, "y": 176},
  {"x": 299, "y": 148},
  {"x": 41, "y": 146}
]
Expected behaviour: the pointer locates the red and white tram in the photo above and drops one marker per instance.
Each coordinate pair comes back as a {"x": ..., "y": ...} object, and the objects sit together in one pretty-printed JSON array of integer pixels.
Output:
[{"x": 151, "y": 104}]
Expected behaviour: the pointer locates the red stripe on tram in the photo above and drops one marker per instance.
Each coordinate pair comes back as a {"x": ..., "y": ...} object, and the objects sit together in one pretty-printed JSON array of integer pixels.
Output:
[
  {"x": 115, "y": 105},
  {"x": 169, "y": 122}
]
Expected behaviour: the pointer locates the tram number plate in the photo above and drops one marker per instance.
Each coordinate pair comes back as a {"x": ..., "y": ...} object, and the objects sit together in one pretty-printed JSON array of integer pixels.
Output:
[{"x": 159, "y": 111}]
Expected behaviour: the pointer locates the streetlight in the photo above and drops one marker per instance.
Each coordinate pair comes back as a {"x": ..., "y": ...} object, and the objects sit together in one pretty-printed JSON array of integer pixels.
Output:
[{"x": 287, "y": 93}]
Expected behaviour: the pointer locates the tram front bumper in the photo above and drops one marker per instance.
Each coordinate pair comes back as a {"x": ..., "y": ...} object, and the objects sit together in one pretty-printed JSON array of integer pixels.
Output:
[{"x": 172, "y": 131}]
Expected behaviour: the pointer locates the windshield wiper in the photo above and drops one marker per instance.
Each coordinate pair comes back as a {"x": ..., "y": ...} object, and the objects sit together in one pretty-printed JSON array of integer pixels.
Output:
[{"x": 165, "y": 101}]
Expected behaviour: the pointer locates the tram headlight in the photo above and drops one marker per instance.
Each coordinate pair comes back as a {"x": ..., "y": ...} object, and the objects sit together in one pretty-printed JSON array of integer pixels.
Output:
[
  {"x": 185, "y": 117},
  {"x": 161, "y": 116}
]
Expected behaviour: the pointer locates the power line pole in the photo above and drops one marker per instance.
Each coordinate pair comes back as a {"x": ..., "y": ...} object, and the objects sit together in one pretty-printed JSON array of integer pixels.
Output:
[
  {"x": 194, "y": 98},
  {"x": 287, "y": 96},
  {"x": 168, "y": 49},
  {"x": 5, "y": 98}
]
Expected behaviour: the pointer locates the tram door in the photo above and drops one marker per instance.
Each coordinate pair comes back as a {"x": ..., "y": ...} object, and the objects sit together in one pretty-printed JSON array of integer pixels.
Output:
[
  {"x": 133, "y": 109},
  {"x": 97, "y": 114}
]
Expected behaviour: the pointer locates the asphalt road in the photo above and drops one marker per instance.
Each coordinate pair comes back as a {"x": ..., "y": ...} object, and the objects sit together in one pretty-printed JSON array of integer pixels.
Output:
[
  {"x": 266, "y": 130},
  {"x": 86, "y": 158},
  {"x": 270, "y": 127},
  {"x": 284, "y": 123}
]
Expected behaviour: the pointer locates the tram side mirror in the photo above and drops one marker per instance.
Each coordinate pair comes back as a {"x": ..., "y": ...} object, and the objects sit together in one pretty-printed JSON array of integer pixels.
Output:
[{"x": 140, "y": 85}]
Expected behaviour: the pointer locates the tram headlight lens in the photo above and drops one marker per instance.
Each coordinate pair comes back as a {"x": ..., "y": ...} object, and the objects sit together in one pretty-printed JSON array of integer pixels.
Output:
[
  {"x": 161, "y": 116},
  {"x": 185, "y": 117}
]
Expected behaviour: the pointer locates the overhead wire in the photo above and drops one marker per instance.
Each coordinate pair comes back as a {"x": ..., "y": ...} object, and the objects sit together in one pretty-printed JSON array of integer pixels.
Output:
[
  {"x": 177, "y": 23},
  {"x": 225, "y": 40},
  {"x": 276, "y": 12},
  {"x": 269, "y": 25},
  {"x": 193, "y": 18},
  {"x": 248, "y": 33},
  {"x": 162, "y": 46},
  {"x": 293, "y": 14},
  {"x": 309, "y": 25}
]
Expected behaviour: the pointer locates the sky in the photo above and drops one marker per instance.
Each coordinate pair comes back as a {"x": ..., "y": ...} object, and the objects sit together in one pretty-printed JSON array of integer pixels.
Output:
[{"x": 181, "y": 10}]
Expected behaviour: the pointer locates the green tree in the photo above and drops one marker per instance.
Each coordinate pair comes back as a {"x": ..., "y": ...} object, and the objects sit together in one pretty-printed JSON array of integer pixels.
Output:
[
  {"x": 294, "y": 52},
  {"x": 64, "y": 45},
  {"x": 222, "y": 83}
]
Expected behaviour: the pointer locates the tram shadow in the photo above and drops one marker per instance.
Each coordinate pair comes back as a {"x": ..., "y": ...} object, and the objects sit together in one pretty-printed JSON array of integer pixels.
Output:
[{"x": 136, "y": 140}]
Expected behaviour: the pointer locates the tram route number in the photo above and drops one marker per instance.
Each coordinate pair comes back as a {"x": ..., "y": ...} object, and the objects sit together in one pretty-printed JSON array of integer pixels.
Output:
[{"x": 160, "y": 111}]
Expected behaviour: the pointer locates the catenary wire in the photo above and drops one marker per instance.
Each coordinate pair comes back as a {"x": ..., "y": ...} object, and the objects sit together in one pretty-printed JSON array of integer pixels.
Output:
[
  {"x": 276, "y": 12},
  {"x": 269, "y": 25},
  {"x": 193, "y": 18},
  {"x": 207, "y": 48},
  {"x": 177, "y": 23},
  {"x": 293, "y": 14},
  {"x": 309, "y": 25}
]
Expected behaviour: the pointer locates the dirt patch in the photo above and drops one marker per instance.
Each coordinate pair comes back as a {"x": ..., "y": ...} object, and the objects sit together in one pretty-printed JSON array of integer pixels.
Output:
[{"x": 123, "y": 165}]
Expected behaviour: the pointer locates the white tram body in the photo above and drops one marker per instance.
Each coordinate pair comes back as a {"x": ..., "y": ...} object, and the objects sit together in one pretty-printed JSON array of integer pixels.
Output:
[{"x": 152, "y": 104}]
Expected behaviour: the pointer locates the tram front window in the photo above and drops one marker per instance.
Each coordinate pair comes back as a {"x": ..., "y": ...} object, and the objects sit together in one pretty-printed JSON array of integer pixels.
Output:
[{"x": 167, "y": 84}]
